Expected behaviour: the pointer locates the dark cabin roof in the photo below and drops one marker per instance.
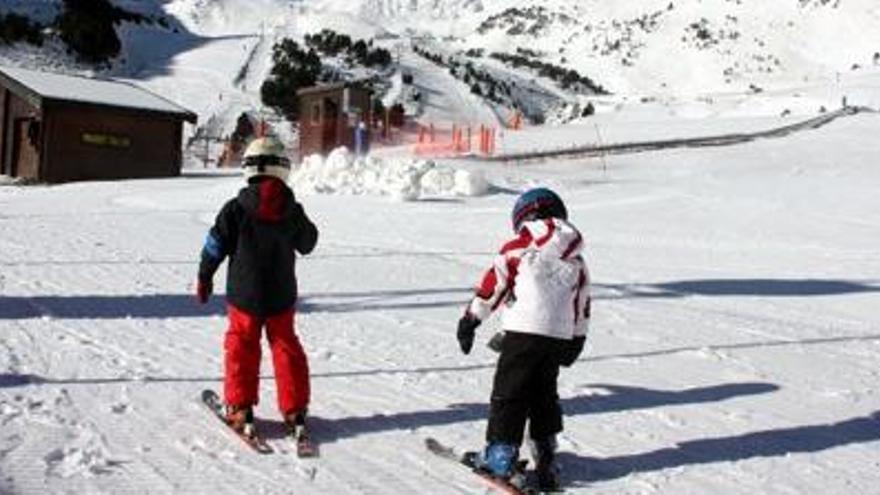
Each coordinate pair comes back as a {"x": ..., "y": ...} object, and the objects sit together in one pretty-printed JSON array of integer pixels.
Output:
[{"x": 47, "y": 87}]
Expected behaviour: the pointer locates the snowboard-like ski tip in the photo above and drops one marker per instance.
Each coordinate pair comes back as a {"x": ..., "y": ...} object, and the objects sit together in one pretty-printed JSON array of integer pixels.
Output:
[
  {"x": 433, "y": 445},
  {"x": 465, "y": 460},
  {"x": 212, "y": 401}
]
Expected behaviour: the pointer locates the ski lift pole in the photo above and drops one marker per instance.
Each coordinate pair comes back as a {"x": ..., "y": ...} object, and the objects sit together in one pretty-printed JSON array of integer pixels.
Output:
[
  {"x": 492, "y": 141},
  {"x": 601, "y": 152},
  {"x": 206, "y": 158}
]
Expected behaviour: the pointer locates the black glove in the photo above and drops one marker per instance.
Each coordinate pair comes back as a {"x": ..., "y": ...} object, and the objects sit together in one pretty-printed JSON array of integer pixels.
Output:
[
  {"x": 496, "y": 342},
  {"x": 572, "y": 351},
  {"x": 466, "y": 326},
  {"x": 204, "y": 289}
]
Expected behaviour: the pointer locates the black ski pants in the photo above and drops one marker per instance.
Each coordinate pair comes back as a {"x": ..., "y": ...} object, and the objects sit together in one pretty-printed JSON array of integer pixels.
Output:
[{"x": 525, "y": 389}]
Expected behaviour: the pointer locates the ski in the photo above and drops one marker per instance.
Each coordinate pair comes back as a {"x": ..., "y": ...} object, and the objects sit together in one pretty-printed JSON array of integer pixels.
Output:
[
  {"x": 517, "y": 485},
  {"x": 254, "y": 440}
]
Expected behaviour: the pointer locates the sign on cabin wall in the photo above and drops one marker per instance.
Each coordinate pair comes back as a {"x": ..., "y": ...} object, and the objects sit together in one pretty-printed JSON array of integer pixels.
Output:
[{"x": 106, "y": 140}]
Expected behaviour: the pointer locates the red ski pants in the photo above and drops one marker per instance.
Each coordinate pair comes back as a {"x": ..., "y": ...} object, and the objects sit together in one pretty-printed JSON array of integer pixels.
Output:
[{"x": 242, "y": 360}]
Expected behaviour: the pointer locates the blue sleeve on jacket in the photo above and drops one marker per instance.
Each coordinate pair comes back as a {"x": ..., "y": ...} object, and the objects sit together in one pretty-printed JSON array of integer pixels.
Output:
[
  {"x": 213, "y": 247},
  {"x": 220, "y": 241}
]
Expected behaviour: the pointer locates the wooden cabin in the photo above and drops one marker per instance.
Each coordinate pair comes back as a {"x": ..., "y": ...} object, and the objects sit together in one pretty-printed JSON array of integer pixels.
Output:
[
  {"x": 329, "y": 115},
  {"x": 60, "y": 128}
]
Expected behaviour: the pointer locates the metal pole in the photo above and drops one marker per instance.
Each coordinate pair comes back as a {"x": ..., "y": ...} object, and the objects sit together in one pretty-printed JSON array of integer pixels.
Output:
[{"x": 601, "y": 145}]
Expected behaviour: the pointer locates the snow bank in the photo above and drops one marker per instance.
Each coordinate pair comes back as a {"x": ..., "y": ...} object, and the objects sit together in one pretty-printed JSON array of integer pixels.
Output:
[
  {"x": 405, "y": 179},
  {"x": 6, "y": 180}
]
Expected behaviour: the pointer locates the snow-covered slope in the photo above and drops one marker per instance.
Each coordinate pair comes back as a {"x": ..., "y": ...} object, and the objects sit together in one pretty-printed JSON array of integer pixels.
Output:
[
  {"x": 734, "y": 345},
  {"x": 662, "y": 46}
]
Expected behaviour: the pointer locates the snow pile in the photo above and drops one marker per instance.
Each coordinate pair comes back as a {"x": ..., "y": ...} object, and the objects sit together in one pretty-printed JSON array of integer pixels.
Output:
[
  {"x": 406, "y": 179},
  {"x": 6, "y": 180}
]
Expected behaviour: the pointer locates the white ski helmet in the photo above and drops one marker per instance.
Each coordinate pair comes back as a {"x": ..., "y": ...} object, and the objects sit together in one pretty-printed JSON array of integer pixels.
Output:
[{"x": 265, "y": 157}]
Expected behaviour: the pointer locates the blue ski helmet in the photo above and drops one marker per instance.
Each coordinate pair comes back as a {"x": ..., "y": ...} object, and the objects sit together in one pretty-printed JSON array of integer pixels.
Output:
[{"x": 536, "y": 204}]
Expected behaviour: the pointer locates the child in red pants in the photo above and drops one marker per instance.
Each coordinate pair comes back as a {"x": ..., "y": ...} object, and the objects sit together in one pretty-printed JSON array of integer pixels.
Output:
[{"x": 260, "y": 230}]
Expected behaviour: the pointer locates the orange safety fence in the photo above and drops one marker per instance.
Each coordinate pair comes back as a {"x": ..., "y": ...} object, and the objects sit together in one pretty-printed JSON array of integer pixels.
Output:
[
  {"x": 437, "y": 140},
  {"x": 428, "y": 140}
]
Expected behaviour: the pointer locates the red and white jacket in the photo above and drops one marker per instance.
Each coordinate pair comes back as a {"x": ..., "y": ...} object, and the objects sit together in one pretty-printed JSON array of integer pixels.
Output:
[{"x": 542, "y": 279}]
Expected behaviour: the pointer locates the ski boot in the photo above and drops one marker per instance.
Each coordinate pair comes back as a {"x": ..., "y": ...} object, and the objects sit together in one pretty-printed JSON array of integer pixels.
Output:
[
  {"x": 497, "y": 459},
  {"x": 241, "y": 419},
  {"x": 547, "y": 470},
  {"x": 298, "y": 431},
  {"x": 295, "y": 422}
]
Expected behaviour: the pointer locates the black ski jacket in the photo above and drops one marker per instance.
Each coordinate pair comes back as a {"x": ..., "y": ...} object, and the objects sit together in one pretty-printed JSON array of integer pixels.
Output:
[{"x": 259, "y": 231}]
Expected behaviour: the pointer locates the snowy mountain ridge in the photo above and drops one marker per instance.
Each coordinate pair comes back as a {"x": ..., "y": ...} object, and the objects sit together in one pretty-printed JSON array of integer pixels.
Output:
[
  {"x": 628, "y": 47},
  {"x": 715, "y": 46}
]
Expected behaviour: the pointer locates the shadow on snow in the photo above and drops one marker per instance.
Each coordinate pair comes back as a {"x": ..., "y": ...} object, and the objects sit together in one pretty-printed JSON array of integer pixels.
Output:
[
  {"x": 582, "y": 469},
  {"x": 183, "y": 305},
  {"x": 161, "y": 306},
  {"x": 758, "y": 287},
  {"x": 17, "y": 380},
  {"x": 768, "y": 443},
  {"x": 618, "y": 398}
]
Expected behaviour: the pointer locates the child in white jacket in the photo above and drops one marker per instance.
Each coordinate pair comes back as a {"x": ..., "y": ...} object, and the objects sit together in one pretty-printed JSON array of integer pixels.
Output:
[{"x": 541, "y": 278}]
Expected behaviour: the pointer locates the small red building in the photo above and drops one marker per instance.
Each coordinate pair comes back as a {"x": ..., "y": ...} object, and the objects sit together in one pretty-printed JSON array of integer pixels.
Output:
[
  {"x": 60, "y": 128},
  {"x": 328, "y": 116}
]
